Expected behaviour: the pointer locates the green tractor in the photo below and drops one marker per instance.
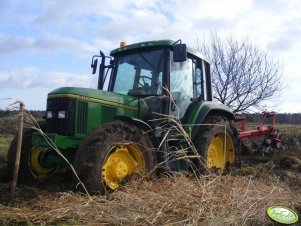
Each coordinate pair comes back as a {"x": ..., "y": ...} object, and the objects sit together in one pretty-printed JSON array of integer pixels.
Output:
[{"x": 121, "y": 127}]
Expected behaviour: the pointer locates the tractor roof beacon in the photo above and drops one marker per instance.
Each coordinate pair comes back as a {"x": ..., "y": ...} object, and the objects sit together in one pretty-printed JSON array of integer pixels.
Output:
[{"x": 120, "y": 128}]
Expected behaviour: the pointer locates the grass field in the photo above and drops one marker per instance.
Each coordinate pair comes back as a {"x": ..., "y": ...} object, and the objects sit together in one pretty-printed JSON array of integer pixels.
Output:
[
  {"x": 290, "y": 131},
  {"x": 5, "y": 140}
]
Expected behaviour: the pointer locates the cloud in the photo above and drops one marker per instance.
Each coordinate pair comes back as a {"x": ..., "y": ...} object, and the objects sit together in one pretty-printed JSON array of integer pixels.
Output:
[
  {"x": 14, "y": 44},
  {"x": 287, "y": 38},
  {"x": 52, "y": 42},
  {"x": 90, "y": 10},
  {"x": 30, "y": 77},
  {"x": 209, "y": 23},
  {"x": 276, "y": 6},
  {"x": 112, "y": 20},
  {"x": 134, "y": 24},
  {"x": 45, "y": 42},
  {"x": 63, "y": 11}
]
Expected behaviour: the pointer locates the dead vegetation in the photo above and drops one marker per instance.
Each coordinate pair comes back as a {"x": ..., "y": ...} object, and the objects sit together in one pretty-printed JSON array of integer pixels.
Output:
[
  {"x": 237, "y": 197},
  {"x": 171, "y": 200}
]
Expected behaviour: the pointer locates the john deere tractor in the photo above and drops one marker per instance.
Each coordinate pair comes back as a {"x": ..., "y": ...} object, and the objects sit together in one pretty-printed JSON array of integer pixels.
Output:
[{"x": 125, "y": 125}]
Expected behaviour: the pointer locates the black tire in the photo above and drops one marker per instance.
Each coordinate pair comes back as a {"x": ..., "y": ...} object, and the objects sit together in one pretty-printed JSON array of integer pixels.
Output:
[
  {"x": 25, "y": 170},
  {"x": 210, "y": 156},
  {"x": 102, "y": 143}
]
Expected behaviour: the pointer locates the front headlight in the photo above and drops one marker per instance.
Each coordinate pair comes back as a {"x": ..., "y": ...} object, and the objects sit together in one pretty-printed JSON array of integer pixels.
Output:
[
  {"x": 61, "y": 114},
  {"x": 49, "y": 114}
]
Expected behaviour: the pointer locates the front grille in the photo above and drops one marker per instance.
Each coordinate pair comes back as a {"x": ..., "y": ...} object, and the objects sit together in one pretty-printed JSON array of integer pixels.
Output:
[
  {"x": 64, "y": 126},
  {"x": 82, "y": 109}
]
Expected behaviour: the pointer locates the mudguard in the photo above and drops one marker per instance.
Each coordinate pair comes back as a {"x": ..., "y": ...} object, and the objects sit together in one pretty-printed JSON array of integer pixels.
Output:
[
  {"x": 197, "y": 112},
  {"x": 142, "y": 125}
]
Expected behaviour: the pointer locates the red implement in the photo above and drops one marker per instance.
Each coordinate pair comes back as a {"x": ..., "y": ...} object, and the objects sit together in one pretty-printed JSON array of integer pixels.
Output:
[{"x": 269, "y": 130}]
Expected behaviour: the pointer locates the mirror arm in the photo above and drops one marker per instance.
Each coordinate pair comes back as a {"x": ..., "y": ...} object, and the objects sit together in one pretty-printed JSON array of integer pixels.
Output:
[
  {"x": 101, "y": 70},
  {"x": 177, "y": 42}
]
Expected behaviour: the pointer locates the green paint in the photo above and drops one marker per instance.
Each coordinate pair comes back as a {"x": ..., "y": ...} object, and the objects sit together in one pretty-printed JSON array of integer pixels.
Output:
[
  {"x": 282, "y": 214},
  {"x": 203, "y": 107},
  {"x": 49, "y": 159},
  {"x": 194, "y": 113},
  {"x": 61, "y": 142},
  {"x": 97, "y": 96}
]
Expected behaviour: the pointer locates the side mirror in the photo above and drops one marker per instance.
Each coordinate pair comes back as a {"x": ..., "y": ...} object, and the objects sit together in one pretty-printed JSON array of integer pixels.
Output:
[
  {"x": 179, "y": 53},
  {"x": 94, "y": 66}
]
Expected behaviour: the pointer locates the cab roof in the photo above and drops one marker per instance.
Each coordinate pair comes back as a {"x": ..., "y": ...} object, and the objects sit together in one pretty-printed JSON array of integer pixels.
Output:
[{"x": 156, "y": 43}]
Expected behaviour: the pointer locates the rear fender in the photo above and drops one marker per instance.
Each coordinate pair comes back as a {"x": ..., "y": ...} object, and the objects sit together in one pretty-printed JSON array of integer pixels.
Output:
[{"x": 201, "y": 110}]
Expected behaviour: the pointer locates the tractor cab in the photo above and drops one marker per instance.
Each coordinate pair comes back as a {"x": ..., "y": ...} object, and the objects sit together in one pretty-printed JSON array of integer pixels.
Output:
[{"x": 165, "y": 75}]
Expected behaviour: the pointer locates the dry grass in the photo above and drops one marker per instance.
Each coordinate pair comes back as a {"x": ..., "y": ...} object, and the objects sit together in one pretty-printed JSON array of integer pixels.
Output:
[
  {"x": 5, "y": 140},
  {"x": 173, "y": 200}
]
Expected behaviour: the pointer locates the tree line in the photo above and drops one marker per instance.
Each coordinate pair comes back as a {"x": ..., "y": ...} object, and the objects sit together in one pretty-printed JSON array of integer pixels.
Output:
[
  {"x": 281, "y": 118},
  {"x": 288, "y": 118}
]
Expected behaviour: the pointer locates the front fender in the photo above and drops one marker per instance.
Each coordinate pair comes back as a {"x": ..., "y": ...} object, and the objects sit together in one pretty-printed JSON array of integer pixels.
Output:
[{"x": 142, "y": 125}]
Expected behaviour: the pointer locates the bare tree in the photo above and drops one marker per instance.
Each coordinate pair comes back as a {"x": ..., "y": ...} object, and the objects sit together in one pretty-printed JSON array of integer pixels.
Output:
[{"x": 243, "y": 76}]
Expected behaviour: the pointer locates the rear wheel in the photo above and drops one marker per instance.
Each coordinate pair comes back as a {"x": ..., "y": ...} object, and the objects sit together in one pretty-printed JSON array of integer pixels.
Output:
[
  {"x": 215, "y": 143},
  {"x": 112, "y": 153}
]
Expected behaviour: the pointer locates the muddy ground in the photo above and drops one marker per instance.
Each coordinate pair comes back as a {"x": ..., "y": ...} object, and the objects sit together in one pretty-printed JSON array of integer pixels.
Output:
[{"x": 238, "y": 196}]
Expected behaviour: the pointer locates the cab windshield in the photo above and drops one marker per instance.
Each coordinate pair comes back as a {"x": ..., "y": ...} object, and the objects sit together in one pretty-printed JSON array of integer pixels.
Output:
[{"x": 139, "y": 73}]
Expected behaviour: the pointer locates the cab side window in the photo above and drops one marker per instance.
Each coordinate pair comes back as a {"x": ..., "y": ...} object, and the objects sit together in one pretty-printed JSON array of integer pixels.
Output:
[
  {"x": 181, "y": 85},
  {"x": 202, "y": 80},
  {"x": 189, "y": 79}
]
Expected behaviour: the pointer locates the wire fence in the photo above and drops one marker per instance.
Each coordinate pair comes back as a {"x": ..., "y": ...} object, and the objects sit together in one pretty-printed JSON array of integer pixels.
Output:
[
  {"x": 291, "y": 136},
  {"x": 291, "y": 131}
]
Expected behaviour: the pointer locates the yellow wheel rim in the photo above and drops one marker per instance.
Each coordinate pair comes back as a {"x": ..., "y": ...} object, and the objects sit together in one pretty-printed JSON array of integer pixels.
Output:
[
  {"x": 220, "y": 151},
  {"x": 121, "y": 162},
  {"x": 35, "y": 167}
]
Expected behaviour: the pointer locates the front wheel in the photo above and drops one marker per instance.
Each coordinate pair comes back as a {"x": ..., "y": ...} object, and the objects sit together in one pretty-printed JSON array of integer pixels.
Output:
[
  {"x": 216, "y": 143},
  {"x": 112, "y": 153},
  {"x": 30, "y": 167}
]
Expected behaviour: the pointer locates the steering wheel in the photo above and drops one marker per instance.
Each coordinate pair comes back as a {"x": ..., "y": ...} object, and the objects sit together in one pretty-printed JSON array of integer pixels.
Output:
[{"x": 143, "y": 77}]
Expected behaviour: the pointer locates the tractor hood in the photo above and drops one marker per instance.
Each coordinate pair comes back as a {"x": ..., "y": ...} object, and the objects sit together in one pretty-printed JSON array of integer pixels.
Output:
[{"x": 97, "y": 96}]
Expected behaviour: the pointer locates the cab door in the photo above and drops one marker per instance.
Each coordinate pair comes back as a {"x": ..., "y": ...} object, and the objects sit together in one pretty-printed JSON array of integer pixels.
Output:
[{"x": 180, "y": 86}]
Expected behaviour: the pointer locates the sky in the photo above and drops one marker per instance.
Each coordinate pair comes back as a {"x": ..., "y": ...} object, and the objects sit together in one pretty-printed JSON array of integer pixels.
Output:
[{"x": 49, "y": 44}]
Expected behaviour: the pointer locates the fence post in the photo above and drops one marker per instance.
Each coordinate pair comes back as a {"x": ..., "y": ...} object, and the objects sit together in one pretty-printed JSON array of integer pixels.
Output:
[{"x": 18, "y": 152}]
